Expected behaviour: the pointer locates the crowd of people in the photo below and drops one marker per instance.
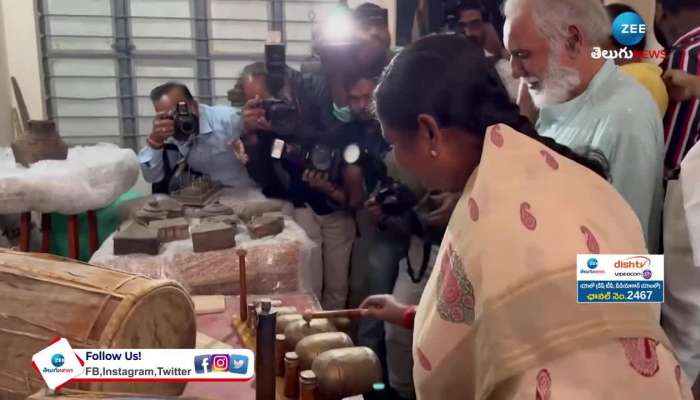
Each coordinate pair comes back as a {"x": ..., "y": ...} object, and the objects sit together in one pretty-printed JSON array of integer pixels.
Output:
[{"x": 450, "y": 184}]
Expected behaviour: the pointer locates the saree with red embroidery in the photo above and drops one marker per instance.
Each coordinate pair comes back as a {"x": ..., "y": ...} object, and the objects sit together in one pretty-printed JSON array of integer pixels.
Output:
[{"x": 499, "y": 319}]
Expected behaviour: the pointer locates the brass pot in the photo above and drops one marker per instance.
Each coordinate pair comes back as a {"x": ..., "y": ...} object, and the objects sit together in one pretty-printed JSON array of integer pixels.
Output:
[
  {"x": 285, "y": 319},
  {"x": 310, "y": 347},
  {"x": 297, "y": 330},
  {"x": 285, "y": 310},
  {"x": 342, "y": 324},
  {"x": 346, "y": 372}
]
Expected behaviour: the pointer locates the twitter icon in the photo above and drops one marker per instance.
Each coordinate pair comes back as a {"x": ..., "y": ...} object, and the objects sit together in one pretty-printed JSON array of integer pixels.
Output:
[{"x": 238, "y": 364}]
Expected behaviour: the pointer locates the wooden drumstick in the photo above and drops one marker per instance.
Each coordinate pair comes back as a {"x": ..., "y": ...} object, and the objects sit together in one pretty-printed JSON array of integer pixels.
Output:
[
  {"x": 243, "y": 298},
  {"x": 353, "y": 313}
]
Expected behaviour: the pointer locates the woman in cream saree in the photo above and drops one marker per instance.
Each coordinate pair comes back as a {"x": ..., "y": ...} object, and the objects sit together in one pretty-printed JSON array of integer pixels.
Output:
[{"x": 499, "y": 318}]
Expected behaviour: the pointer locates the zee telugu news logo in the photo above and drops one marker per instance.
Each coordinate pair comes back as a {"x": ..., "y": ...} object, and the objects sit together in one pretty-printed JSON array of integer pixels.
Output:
[
  {"x": 234, "y": 363},
  {"x": 628, "y": 29}
]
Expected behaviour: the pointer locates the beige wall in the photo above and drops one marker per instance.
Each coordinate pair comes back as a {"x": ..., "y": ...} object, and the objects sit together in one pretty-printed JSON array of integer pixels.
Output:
[
  {"x": 5, "y": 121},
  {"x": 21, "y": 44}
]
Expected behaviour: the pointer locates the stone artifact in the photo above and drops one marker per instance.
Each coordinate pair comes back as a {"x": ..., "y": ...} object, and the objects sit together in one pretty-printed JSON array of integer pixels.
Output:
[
  {"x": 174, "y": 208},
  {"x": 196, "y": 193},
  {"x": 133, "y": 237},
  {"x": 346, "y": 372},
  {"x": 265, "y": 226},
  {"x": 291, "y": 375},
  {"x": 45, "y": 297},
  {"x": 308, "y": 385},
  {"x": 252, "y": 209},
  {"x": 212, "y": 236},
  {"x": 310, "y": 347},
  {"x": 297, "y": 330},
  {"x": 214, "y": 209},
  {"x": 285, "y": 319},
  {"x": 172, "y": 229},
  {"x": 265, "y": 353},
  {"x": 40, "y": 140},
  {"x": 151, "y": 211},
  {"x": 232, "y": 220}
]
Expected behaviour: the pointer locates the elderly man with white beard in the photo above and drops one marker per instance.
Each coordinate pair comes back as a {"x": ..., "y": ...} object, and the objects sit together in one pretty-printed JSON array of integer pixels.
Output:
[{"x": 586, "y": 103}]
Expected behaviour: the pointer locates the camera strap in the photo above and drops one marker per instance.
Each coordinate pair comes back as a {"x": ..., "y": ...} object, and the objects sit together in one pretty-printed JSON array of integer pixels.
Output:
[{"x": 427, "y": 248}]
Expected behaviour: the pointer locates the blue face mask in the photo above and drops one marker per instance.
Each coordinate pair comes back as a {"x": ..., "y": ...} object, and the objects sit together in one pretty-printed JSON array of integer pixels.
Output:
[{"x": 342, "y": 114}]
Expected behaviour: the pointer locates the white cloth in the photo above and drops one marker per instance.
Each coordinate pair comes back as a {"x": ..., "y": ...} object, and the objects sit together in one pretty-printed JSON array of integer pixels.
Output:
[
  {"x": 680, "y": 311},
  {"x": 690, "y": 173},
  {"x": 399, "y": 340}
]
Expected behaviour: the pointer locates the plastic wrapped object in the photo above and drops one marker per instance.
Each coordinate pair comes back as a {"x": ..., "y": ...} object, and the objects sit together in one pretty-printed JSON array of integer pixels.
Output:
[
  {"x": 274, "y": 264},
  {"x": 90, "y": 178}
]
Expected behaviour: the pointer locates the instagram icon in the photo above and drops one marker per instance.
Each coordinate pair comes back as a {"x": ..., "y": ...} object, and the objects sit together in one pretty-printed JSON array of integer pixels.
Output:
[{"x": 220, "y": 362}]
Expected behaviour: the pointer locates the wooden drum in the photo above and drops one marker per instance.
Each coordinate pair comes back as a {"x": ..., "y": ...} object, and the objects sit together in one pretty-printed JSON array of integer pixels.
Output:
[{"x": 43, "y": 297}]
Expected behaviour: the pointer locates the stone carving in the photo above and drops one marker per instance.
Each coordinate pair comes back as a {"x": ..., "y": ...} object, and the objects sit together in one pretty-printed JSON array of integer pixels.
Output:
[
  {"x": 133, "y": 237},
  {"x": 209, "y": 236},
  {"x": 172, "y": 229},
  {"x": 265, "y": 226}
]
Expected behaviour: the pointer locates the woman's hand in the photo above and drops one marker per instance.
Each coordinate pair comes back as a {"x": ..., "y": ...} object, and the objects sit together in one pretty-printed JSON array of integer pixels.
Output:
[{"x": 384, "y": 307}]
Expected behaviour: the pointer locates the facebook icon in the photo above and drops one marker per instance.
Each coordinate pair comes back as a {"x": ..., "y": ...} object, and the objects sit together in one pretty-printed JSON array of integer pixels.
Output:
[{"x": 202, "y": 365}]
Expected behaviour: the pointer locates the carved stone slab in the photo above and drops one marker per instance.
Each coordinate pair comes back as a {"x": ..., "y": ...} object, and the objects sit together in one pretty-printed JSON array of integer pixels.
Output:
[
  {"x": 266, "y": 225},
  {"x": 209, "y": 236},
  {"x": 172, "y": 229},
  {"x": 133, "y": 237}
]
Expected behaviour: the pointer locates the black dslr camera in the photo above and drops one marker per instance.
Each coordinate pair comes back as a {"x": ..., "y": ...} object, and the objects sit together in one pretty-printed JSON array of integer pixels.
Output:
[
  {"x": 282, "y": 114},
  {"x": 397, "y": 202},
  {"x": 394, "y": 198},
  {"x": 186, "y": 123}
]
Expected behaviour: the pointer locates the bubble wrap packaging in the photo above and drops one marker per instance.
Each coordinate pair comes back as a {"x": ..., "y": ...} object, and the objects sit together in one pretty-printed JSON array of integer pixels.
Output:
[
  {"x": 273, "y": 264},
  {"x": 91, "y": 178}
]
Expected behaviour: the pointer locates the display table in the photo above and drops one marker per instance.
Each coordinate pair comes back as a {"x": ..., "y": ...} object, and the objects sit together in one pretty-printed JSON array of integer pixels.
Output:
[
  {"x": 90, "y": 178},
  {"x": 273, "y": 264}
]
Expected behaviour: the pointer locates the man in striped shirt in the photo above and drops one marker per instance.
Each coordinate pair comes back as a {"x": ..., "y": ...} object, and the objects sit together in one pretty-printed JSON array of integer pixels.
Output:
[{"x": 677, "y": 25}]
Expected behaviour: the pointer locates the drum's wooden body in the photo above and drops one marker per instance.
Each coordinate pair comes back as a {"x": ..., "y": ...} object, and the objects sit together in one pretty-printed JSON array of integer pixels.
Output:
[{"x": 43, "y": 297}]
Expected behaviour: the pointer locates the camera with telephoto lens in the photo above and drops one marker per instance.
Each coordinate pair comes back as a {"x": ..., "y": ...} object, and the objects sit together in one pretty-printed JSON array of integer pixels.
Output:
[
  {"x": 394, "y": 198},
  {"x": 282, "y": 115},
  {"x": 186, "y": 123}
]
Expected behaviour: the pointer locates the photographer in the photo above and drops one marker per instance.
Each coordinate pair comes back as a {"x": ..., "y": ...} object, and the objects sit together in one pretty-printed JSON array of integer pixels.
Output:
[
  {"x": 356, "y": 40},
  {"x": 322, "y": 201},
  {"x": 195, "y": 136},
  {"x": 470, "y": 19}
]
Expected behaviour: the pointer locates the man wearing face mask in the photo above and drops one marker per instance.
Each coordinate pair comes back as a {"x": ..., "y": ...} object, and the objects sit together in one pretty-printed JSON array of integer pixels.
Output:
[
  {"x": 587, "y": 103},
  {"x": 204, "y": 149},
  {"x": 370, "y": 52}
]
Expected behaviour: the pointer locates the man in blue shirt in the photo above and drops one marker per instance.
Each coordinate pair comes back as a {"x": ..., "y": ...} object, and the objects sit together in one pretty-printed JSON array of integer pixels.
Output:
[{"x": 206, "y": 152}]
